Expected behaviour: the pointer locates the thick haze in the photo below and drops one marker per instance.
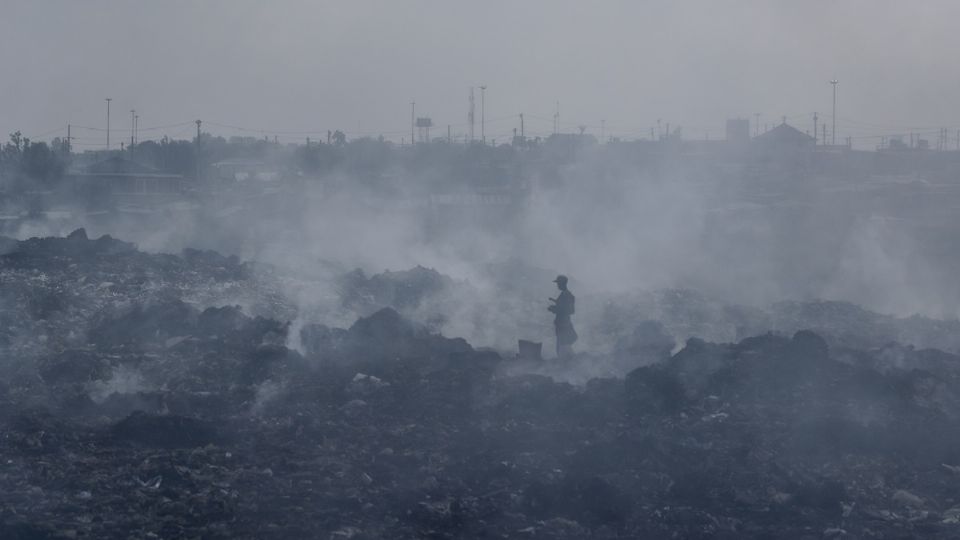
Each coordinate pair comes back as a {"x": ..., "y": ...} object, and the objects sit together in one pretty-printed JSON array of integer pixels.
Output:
[{"x": 293, "y": 67}]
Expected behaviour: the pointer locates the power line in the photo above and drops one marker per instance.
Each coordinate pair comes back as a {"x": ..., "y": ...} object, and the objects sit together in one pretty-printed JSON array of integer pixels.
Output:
[
  {"x": 50, "y": 132},
  {"x": 168, "y": 126}
]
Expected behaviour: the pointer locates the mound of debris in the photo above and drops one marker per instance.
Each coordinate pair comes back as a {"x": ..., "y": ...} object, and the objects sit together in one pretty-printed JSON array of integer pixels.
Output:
[
  {"x": 849, "y": 325},
  {"x": 385, "y": 430},
  {"x": 52, "y": 289},
  {"x": 144, "y": 413},
  {"x": 684, "y": 314},
  {"x": 164, "y": 431},
  {"x": 401, "y": 290},
  {"x": 384, "y": 334}
]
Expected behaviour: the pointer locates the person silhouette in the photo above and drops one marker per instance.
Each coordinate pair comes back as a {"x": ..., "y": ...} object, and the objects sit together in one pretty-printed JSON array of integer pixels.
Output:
[{"x": 563, "y": 308}]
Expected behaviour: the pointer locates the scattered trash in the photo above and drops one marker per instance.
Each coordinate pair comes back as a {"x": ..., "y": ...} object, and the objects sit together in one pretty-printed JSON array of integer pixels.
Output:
[
  {"x": 387, "y": 429},
  {"x": 152, "y": 483},
  {"x": 908, "y": 499}
]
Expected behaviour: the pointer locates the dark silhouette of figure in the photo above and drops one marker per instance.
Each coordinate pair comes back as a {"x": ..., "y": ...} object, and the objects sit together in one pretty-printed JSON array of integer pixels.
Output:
[{"x": 563, "y": 308}]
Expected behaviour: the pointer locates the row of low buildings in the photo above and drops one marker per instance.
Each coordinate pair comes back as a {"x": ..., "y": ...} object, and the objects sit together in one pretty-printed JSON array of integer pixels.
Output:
[
  {"x": 121, "y": 181},
  {"x": 118, "y": 179}
]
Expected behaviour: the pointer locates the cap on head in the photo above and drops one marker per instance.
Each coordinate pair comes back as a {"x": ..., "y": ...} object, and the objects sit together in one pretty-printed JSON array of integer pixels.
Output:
[{"x": 561, "y": 279}]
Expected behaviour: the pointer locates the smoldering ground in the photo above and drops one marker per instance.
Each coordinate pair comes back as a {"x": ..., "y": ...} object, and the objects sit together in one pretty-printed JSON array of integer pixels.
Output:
[
  {"x": 131, "y": 410},
  {"x": 316, "y": 369}
]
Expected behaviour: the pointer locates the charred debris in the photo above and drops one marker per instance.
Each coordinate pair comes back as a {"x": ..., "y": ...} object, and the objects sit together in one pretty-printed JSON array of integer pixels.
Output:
[{"x": 138, "y": 401}]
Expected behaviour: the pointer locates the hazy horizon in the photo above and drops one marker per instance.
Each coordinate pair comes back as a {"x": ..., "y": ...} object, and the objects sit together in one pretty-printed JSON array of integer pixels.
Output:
[{"x": 296, "y": 69}]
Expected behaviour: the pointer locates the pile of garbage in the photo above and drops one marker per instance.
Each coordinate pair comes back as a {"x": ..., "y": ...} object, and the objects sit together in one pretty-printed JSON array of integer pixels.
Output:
[{"x": 162, "y": 417}]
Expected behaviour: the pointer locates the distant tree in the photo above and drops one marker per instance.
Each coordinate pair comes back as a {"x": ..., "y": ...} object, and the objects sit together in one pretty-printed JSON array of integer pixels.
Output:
[
  {"x": 10, "y": 153},
  {"x": 18, "y": 140},
  {"x": 41, "y": 164},
  {"x": 308, "y": 159},
  {"x": 28, "y": 164},
  {"x": 60, "y": 146},
  {"x": 169, "y": 156},
  {"x": 317, "y": 158}
]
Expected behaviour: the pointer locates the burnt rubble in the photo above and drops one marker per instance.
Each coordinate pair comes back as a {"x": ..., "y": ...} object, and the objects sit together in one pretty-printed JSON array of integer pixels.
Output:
[
  {"x": 131, "y": 409},
  {"x": 401, "y": 290}
]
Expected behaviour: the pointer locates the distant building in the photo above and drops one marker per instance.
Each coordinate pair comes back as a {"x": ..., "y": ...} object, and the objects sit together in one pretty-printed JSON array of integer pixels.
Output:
[
  {"x": 244, "y": 170},
  {"x": 784, "y": 136},
  {"x": 896, "y": 143},
  {"x": 120, "y": 180},
  {"x": 738, "y": 130},
  {"x": 565, "y": 146}
]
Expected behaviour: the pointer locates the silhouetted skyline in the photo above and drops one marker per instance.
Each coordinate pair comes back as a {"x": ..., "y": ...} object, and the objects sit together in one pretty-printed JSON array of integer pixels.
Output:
[{"x": 294, "y": 67}]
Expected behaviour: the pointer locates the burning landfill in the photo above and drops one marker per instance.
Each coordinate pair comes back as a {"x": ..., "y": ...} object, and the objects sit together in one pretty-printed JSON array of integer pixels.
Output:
[
  {"x": 142, "y": 401},
  {"x": 438, "y": 270}
]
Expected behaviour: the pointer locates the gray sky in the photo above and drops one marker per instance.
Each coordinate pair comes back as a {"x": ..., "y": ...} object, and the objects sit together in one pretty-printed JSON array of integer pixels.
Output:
[{"x": 296, "y": 66}]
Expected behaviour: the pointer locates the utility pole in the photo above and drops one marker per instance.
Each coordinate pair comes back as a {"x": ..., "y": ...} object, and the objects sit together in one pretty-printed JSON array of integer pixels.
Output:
[
  {"x": 133, "y": 126},
  {"x": 556, "y": 120},
  {"x": 470, "y": 114},
  {"x": 198, "y": 151},
  {"x": 69, "y": 139},
  {"x": 814, "y": 128},
  {"x": 108, "y": 123},
  {"x": 833, "y": 135},
  {"x": 413, "y": 122},
  {"x": 136, "y": 128},
  {"x": 483, "y": 114},
  {"x": 522, "y": 134}
]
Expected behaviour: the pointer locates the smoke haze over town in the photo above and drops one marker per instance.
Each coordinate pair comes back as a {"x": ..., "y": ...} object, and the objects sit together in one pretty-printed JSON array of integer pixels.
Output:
[{"x": 422, "y": 269}]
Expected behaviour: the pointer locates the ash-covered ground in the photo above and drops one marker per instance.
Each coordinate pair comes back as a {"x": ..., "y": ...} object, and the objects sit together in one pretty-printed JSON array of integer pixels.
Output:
[{"x": 199, "y": 396}]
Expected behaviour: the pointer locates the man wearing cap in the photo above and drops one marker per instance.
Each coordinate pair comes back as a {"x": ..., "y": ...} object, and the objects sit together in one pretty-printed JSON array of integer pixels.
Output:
[{"x": 563, "y": 308}]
